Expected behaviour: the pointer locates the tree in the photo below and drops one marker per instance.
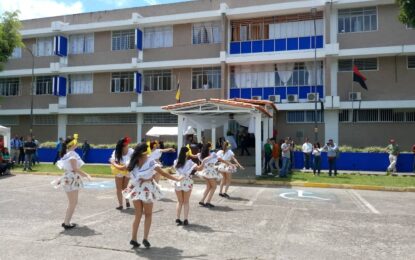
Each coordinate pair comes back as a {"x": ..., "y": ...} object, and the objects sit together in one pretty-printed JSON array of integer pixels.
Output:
[
  {"x": 407, "y": 12},
  {"x": 10, "y": 37}
]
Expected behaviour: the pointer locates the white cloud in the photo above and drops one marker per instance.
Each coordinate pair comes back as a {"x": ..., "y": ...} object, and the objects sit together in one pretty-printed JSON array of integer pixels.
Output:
[
  {"x": 151, "y": 2},
  {"x": 40, "y": 8}
]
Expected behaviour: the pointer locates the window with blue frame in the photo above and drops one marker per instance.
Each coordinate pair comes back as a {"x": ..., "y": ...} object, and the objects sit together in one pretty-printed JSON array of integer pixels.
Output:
[{"x": 278, "y": 33}]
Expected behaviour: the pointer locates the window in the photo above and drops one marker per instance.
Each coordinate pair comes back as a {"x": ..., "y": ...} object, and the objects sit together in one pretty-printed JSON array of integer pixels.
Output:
[
  {"x": 80, "y": 84},
  {"x": 362, "y": 64},
  {"x": 81, "y": 43},
  {"x": 102, "y": 119},
  {"x": 304, "y": 116},
  {"x": 17, "y": 53},
  {"x": 206, "y": 78},
  {"x": 159, "y": 118},
  {"x": 45, "y": 120},
  {"x": 44, "y": 85},
  {"x": 44, "y": 46},
  {"x": 377, "y": 116},
  {"x": 411, "y": 62},
  {"x": 357, "y": 20},
  {"x": 277, "y": 27},
  {"x": 158, "y": 37},
  {"x": 122, "y": 82},
  {"x": 123, "y": 40},
  {"x": 203, "y": 33},
  {"x": 158, "y": 80},
  {"x": 9, "y": 120},
  {"x": 9, "y": 87}
]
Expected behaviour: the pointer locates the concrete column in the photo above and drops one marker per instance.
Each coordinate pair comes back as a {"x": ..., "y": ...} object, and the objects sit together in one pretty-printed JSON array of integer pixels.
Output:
[
  {"x": 225, "y": 128},
  {"x": 271, "y": 126},
  {"x": 266, "y": 129},
  {"x": 199, "y": 134},
  {"x": 62, "y": 122},
  {"x": 334, "y": 66},
  {"x": 213, "y": 137},
  {"x": 224, "y": 80},
  {"x": 331, "y": 126},
  {"x": 140, "y": 134},
  {"x": 180, "y": 132},
  {"x": 333, "y": 25},
  {"x": 258, "y": 144}
]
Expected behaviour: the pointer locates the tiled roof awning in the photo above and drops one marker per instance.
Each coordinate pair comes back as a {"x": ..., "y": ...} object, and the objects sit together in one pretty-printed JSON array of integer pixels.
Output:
[{"x": 222, "y": 106}]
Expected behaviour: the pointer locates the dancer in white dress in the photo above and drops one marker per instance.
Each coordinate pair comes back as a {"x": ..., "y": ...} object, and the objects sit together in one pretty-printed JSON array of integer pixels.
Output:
[
  {"x": 119, "y": 160},
  {"x": 155, "y": 153},
  {"x": 209, "y": 173},
  {"x": 185, "y": 167},
  {"x": 143, "y": 190},
  {"x": 227, "y": 170},
  {"x": 71, "y": 181}
]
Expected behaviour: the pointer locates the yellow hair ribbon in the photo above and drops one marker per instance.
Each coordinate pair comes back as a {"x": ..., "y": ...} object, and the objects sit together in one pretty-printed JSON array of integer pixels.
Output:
[
  {"x": 148, "y": 148},
  {"x": 74, "y": 141},
  {"x": 229, "y": 144},
  {"x": 189, "y": 153}
]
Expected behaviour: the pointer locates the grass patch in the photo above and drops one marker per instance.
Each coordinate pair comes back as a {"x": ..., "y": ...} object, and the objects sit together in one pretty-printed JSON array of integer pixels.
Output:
[{"x": 389, "y": 181}]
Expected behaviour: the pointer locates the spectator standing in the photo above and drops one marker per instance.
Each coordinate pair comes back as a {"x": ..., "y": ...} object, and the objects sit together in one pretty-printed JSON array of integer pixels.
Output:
[
  {"x": 35, "y": 157},
  {"x": 267, "y": 155},
  {"x": 285, "y": 156},
  {"x": 15, "y": 148},
  {"x": 243, "y": 138},
  {"x": 332, "y": 150},
  {"x": 317, "y": 159},
  {"x": 393, "y": 150},
  {"x": 292, "y": 148},
  {"x": 29, "y": 150},
  {"x": 58, "y": 150},
  {"x": 85, "y": 150},
  {"x": 21, "y": 151},
  {"x": 307, "y": 149},
  {"x": 275, "y": 159}
]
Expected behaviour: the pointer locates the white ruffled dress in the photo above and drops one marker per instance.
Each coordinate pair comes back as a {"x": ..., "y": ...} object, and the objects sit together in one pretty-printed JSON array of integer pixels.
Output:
[
  {"x": 223, "y": 167},
  {"x": 70, "y": 181},
  {"x": 209, "y": 171},
  {"x": 187, "y": 183},
  {"x": 125, "y": 160},
  {"x": 140, "y": 187}
]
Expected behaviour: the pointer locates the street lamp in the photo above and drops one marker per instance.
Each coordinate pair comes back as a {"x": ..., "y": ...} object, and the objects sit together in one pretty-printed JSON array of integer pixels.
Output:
[
  {"x": 314, "y": 14},
  {"x": 31, "y": 90}
]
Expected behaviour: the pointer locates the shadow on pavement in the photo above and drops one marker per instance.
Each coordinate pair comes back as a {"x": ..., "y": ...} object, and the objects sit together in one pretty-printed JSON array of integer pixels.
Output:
[
  {"x": 238, "y": 199},
  {"x": 167, "y": 200},
  {"x": 163, "y": 253},
  {"x": 131, "y": 211},
  {"x": 198, "y": 228},
  {"x": 80, "y": 231}
]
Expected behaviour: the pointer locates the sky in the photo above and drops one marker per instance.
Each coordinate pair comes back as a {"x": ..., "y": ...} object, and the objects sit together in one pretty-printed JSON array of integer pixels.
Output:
[{"x": 30, "y": 9}]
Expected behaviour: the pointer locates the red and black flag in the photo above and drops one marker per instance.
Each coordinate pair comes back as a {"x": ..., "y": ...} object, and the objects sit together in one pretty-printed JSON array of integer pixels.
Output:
[{"x": 358, "y": 77}]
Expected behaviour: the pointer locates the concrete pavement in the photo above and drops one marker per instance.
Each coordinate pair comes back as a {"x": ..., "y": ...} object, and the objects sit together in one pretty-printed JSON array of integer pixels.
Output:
[{"x": 257, "y": 223}]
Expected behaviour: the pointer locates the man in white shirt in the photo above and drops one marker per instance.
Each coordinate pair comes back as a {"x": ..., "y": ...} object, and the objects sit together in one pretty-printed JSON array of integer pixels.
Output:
[
  {"x": 285, "y": 157},
  {"x": 332, "y": 152},
  {"x": 307, "y": 150}
]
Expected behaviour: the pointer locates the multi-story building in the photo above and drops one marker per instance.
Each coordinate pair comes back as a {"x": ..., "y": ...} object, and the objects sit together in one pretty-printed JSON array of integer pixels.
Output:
[{"x": 117, "y": 68}]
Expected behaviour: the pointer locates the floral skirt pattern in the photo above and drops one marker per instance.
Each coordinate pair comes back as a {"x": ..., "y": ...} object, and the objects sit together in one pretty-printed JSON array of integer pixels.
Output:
[
  {"x": 223, "y": 167},
  {"x": 185, "y": 185},
  {"x": 209, "y": 172},
  {"x": 147, "y": 191},
  {"x": 69, "y": 182}
]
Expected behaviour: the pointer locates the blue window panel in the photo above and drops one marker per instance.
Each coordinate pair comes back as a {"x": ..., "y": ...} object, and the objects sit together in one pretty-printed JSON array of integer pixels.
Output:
[
  {"x": 235, "y": 48},
  {"x": 246, "y": 47},
  {"x": 268, "y": 45},
  {"x": 139, "y": 39},
  {"x": 59, "y": 86},
  {"x": 257, "y": 92},
  {"x": 305, "y": 43},
  {"x": 137, "y": 82},
  {"x": 292, "y": 90},
  {"x": 319, "y": 41},
  {"x": 257, "y": 46},
  {"x": 282, "y": 91},
  {"x": 304, "y": 91},
  {"x": 246, "y": 93},
  {"x": 267, "y": 92},
  {"x": 281, "y": 45},
  {"x": 235, "y": 93},
  {"x": 292, "y": 44},
  {"x": 60, "y": 46},
  {"x": 320, "y": 91}
]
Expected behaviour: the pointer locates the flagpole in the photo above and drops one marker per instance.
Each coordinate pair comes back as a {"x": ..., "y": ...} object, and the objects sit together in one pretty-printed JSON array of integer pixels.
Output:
[{"x": 352, "y": 91}]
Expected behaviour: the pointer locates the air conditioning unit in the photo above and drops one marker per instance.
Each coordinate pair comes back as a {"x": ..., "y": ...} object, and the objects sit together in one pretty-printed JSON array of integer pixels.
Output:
[
  {"x": 256, "y": 97},
  {"x": 353, "y": 96},
  {"x": 275, "y": 98},
  {"x": 292, "y": 98},
  {"x": 311, "y": 97}
]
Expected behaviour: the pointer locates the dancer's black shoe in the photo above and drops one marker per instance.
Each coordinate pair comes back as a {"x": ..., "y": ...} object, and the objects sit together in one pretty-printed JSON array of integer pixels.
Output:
[
  {"x": 185, "y": 222},
  {"x": 226, "y": 195},
  {"x": 208, "y": 205},
  {"x": 119, "y": 208},
  {"x": 134, "y": 243},
  {"x": 66, "y": 227},
  {"x": 146, "y": 243},
  {"x": 179, "y": 222},
  {"x": 222, "y": 195},
  {"x": 202, "y": 204}
]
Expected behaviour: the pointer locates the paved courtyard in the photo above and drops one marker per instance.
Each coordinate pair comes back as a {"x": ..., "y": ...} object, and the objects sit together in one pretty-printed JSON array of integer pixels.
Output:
[{"x": 257, "y": 223}]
